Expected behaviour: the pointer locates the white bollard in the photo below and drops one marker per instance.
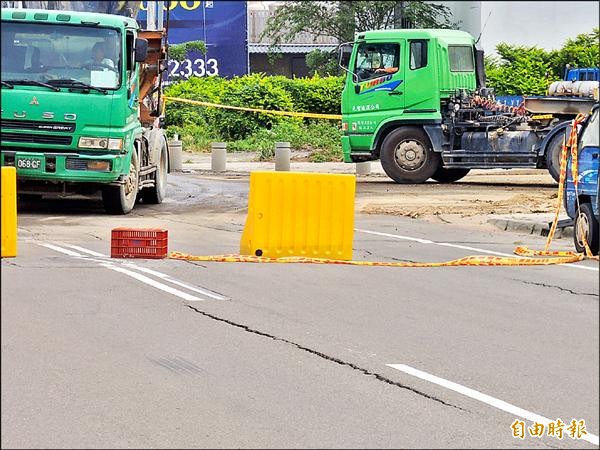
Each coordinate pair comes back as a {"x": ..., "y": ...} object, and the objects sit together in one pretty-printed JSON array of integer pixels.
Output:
[
  {"x": 218, "y": 156},
  {"x": 363, "y": 168},
  {"x": 175, "y": 150},
  {"x": 282, "y": 156}
]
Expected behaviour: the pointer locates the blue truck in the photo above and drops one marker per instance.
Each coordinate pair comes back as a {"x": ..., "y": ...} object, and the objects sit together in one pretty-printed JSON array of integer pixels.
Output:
[{"x": 583, "y": 205}]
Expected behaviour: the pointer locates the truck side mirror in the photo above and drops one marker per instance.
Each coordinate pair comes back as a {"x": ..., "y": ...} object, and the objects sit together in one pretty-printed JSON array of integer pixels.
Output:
[
  {"x": 344, "y": 55},
  {"x": 141, "y": 50}
]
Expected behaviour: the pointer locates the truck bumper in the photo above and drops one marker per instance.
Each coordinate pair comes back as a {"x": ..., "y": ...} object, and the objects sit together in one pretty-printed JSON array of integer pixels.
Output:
[
  {"x": 70, "y": 167},
  {"x": 346, "y": 148}
]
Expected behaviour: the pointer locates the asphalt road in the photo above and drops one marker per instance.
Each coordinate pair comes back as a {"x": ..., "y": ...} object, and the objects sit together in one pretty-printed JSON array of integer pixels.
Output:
[{"x": 100, "y": 353}]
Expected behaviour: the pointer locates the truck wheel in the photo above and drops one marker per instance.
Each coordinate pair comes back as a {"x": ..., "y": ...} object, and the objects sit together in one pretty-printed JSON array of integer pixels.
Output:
[
  {"x": 586, "y": 225},
  {"x": 121, "y": 199},
  {"x": 407, "y": 156},
  {"x": 553, "y": 152},
  {"x": 155, "y": 194},
  {"x": 443, "y": 175}
]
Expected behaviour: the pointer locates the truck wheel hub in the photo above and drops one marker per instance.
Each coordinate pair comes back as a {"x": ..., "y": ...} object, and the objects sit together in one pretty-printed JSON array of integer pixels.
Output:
[
  {"x": 410, "y": 155},
  {"x": 581, "y": 230},
  {"x": 129, "y": 181}
]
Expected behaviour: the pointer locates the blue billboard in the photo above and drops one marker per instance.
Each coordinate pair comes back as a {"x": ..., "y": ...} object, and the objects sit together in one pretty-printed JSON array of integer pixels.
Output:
[{"x": 221, "y": 25}]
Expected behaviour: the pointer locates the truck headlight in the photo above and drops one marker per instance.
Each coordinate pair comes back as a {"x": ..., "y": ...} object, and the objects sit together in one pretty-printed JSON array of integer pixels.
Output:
[{"x": 102, "y": 143}]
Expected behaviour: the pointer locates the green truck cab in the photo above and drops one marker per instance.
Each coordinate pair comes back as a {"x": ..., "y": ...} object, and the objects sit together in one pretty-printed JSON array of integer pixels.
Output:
[
  {"x": 417, "y": 100},
  {"x": 81, "y": 107}
]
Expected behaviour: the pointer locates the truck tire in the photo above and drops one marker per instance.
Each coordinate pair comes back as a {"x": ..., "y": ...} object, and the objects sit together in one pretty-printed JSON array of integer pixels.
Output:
[
  {"x": 586, "y": 223},
  {"x": 121, "y": 199},
  {"x": 155, "y": 195},
  {"x": 553, "y": 152},
  {"x": 443, "y": 175},
  {"x": 407, "y": 156}
]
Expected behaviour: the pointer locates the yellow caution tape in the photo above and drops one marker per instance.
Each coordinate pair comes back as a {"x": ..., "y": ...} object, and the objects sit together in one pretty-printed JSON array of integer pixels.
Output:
[
  {"x": 265, "y": 111},
  {"x": 550, "y": 258},
  {"x": 571, "y": 145}
]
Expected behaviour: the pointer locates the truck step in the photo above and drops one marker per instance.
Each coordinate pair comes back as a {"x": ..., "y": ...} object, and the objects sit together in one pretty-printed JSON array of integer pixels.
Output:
[{"x": 489, "y": 160}]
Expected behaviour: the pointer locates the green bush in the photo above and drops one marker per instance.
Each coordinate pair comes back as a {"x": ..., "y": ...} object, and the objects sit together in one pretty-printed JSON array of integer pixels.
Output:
[
  {"x": 258, "y": 132},
  {"x": 320, "y": 95},
  {"x": 530, "y": 70},
  {"x": 321, "y": 139}
]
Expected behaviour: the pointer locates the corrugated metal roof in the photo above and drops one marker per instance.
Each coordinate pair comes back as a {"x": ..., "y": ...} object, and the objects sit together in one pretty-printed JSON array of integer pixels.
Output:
[{"x": 290, "y": 48}]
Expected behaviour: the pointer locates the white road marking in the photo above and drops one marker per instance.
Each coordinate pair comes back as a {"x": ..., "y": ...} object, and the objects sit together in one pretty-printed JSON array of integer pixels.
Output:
[
  {"x": 161, "y": 275},
  {"x": 62, "y": 250},
  {"x": 45, "y": 219},
  {"x": 112, "y": 266},
  {"x": 88, "y": 251},
  {"x": 151, "y": 282},
  {"x": 492, "y": 401},
  {"x": 462, "y": 247},
  {"x": 177, "y": 282}
]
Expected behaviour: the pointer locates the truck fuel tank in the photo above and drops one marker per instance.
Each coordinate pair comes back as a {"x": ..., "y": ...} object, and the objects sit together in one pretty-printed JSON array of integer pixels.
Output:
[{"x": 499, "y": 141}]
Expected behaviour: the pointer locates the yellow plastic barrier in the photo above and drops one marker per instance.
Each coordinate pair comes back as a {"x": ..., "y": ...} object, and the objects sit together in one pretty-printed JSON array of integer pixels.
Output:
[
  {"x": 299, "y": 214},
  {"x": 9, "y": 211}
]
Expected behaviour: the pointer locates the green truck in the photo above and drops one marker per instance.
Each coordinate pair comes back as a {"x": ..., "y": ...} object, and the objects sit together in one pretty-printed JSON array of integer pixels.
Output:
[
  {"x": 82, "y": 110},
  {"x": 417, "y": 100}
]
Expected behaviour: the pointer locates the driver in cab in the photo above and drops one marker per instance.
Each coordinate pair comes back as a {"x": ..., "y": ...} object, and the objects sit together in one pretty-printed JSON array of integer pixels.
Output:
[{"x": 98, "y": 57}]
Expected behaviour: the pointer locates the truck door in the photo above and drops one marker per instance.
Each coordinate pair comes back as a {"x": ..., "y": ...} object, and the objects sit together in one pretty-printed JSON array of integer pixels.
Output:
[
  {"x": 421, "y": 93},
  {"x": 378, "y": 85}
]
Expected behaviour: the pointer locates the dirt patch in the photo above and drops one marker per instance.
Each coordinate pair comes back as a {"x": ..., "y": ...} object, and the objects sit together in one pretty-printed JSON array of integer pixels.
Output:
[{"x": 472, "y": 201}]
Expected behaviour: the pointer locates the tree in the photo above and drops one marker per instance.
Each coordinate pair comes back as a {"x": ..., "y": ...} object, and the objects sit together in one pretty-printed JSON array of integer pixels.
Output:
[
  {"x": 529, "y": 70},
  {"x": 583, "y": 51},
  {"x": 342, "y": 19}
]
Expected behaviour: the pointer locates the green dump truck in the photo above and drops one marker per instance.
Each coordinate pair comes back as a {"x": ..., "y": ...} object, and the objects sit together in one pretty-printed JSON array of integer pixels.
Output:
[
  {"x": 81, "y": 103},
  {"x": 417, "y": 100}
]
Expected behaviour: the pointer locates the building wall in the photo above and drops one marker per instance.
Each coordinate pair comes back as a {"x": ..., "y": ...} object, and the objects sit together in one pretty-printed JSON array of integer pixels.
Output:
[
  {"x": 544, "y": 24},
  {"x": 289, "y": 65}
]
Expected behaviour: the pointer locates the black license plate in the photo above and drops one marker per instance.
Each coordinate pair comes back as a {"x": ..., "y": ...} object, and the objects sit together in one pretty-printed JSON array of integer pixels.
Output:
[{"x": 28, "y": 163}]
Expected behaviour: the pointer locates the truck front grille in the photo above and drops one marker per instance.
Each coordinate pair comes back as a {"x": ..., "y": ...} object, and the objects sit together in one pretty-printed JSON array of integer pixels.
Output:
[
  {"x": 76, "y": 164},
  {"x": 37, "y": 125},
  {"x": 37, "y": 138}
]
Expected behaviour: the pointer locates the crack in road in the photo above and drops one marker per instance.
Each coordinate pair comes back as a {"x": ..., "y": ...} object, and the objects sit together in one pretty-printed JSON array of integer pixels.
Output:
[
  {"x": 326, "y": 357},
  {"x": 555, "y": 287}
]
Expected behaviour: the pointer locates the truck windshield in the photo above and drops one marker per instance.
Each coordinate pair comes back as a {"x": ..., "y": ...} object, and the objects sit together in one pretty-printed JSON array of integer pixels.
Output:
[{"x": 45, "y": 52}]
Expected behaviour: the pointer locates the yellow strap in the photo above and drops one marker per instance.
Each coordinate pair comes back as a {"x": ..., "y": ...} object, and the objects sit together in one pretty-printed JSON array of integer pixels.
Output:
[
  {"x": 550, "y": 258},
  {"x": 265, "y": 111}
]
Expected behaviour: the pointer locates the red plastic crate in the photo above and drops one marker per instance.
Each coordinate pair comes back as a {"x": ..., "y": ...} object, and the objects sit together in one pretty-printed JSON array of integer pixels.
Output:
[{"x": 139, "y": 243}]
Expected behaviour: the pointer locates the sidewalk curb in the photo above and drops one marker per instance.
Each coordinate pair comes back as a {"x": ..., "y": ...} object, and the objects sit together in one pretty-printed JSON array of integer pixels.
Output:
[{"x": 531, "y": 226}]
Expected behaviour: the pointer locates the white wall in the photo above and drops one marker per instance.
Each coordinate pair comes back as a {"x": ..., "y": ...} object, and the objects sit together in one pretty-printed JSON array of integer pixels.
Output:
[{"x": 544, "y": 24}]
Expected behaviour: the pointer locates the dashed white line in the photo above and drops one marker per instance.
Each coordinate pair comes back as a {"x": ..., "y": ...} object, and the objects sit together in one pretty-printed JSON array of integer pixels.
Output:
[
  {"x": 166, "y": 277},
  {"x": 151, "y": 282},
  {"x": 105, "y": 262},
  {"x": 62, "y": 250},
  {"x": 462, "y": 247},
  {"x": 488, "y": 399},
  {"x": 86, "y": 250}
]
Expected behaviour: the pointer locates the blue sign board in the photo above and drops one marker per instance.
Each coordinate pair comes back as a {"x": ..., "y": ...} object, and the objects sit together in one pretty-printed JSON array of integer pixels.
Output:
[{"x": 221, "y": 25}]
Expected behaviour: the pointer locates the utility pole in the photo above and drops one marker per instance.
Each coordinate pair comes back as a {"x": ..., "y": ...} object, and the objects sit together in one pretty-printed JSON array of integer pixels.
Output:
[
  {"x": 399, "y": 15},
  {"x": 346, "y": 12}
]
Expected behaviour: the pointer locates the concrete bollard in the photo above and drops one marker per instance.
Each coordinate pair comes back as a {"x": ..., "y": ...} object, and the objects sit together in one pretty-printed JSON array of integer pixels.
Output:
[
  {"x": 218, "y": 156},
  {"x": 282, "y": 156},
  {"x": 175, "y": 151},
  {"x": 363, "y": 168}
]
